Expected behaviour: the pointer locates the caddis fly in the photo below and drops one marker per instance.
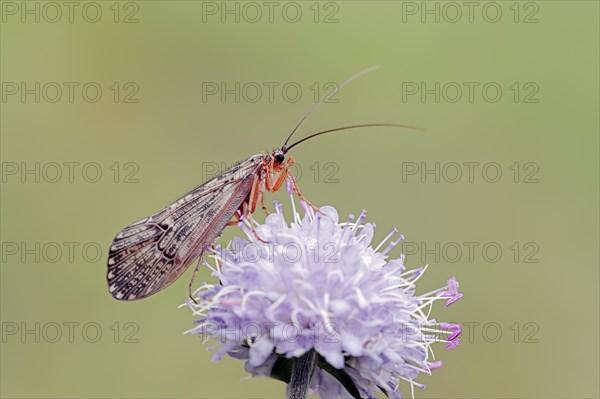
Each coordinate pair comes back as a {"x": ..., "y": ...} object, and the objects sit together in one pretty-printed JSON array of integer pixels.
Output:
[{"x": 149, "y": 255}]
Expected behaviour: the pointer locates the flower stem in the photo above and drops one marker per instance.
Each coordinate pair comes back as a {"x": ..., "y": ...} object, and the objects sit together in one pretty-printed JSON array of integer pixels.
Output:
[{"x": 302, "y": 372}]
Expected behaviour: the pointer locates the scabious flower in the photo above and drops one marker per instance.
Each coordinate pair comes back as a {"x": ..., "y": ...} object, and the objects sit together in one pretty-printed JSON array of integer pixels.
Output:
[{"x": 318, "y": 284}]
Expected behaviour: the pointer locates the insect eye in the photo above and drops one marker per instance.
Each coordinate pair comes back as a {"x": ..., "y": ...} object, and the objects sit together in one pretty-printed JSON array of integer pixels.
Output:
[{"x": 279, "y": 158}]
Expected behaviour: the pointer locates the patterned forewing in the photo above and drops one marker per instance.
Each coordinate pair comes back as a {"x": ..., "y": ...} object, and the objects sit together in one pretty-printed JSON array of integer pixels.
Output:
[{"x": 149, "y": 255}]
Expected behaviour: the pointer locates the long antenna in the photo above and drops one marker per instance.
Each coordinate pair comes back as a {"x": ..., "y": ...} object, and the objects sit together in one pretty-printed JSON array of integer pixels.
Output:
[
  {"x": 337, "y": 129},
  {"x": 327, "y": 97}
]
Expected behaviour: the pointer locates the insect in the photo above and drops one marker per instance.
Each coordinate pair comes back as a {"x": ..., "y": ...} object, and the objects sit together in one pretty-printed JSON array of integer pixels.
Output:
[{"x": 149, "y": 255}]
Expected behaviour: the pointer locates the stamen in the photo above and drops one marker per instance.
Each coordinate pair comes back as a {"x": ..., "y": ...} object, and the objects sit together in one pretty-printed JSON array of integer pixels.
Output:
[
  {"x": 294, "y": 212},
  {"x": 307, "y": 210},
  {"x": 279, "y": 210},
  {"x": 390, "y": 235},
  {"x": 230, "y": 302},
  {"x": 453, "y": 344},
  {"x": 453, "y": 286},
  {"x": 435, "y": 365},
  {"x": 392, "y": 245},
  {"x": 318, "y": 216},
  {"x": 289, "y": 185},
  {"x": 348, "y": 221},
  {"x": 245, "y": 227},
  {"x": 453, "y": 300},
  {"x": 278, "y": 207},
  {"x": 276, "y": 304},
  {"x": 357, "y": 225},
  {"x": 457, "y": 328},
  {"x": 251, "y": 294}
]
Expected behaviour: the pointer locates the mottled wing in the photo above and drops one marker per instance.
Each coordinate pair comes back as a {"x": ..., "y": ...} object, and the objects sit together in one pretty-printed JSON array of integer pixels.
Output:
[{"x": 149, "y": 255}]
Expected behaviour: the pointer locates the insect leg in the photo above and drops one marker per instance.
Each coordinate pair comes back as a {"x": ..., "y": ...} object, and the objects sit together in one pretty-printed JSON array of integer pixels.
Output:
[
  {"x": 281, "y": 175},
  {"x": 249, "y": 207},
  {"x": 192, "y": 280},
  {"x": 234, "y": 222},
  {"x": 255, "y": 193},
  {"x": 260, "y": 198},
  {"x": 302, "y": 197},
  {"x": 264, "y": 207},
  {"x": 253, "y": 229}
]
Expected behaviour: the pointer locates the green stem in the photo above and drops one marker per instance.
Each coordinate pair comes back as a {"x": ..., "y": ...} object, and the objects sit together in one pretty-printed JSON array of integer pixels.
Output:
[{"x": 302, "y": 372}]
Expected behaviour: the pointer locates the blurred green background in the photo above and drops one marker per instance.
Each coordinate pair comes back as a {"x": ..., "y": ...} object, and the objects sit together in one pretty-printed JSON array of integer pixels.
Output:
[{"x": 156, "y": 131}]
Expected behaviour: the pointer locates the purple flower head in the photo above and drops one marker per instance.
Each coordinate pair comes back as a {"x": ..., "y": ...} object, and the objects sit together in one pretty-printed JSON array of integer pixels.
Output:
[{"x": 316, "y": 283}]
